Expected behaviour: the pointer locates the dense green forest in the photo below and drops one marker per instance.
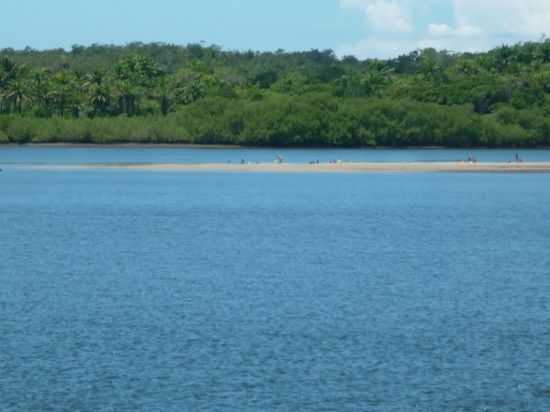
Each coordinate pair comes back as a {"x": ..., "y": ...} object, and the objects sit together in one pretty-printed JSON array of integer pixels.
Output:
[{"x": 159, "y": 93}]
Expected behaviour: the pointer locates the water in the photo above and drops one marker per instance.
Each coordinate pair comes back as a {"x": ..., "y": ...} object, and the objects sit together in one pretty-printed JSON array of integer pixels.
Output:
[
  {"x": 20, "y": 156},
  {"x": 136, "y": 291}
]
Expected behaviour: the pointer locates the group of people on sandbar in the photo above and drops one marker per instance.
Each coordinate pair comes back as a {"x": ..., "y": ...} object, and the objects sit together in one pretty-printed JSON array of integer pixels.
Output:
[
  {"x": 472, "y": 159},
  {"x": 280, "y": 160}
]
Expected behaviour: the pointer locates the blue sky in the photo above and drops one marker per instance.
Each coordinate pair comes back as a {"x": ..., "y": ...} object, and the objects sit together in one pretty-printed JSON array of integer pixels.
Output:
[{"x": 366, "y": 28}]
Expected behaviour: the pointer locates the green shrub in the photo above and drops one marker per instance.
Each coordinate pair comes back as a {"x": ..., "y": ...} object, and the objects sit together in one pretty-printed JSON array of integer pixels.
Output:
[{"x": 3, "y": 137}]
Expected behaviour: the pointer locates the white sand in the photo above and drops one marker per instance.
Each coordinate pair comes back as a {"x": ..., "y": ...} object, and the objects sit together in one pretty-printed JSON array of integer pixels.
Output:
[{"x": 412, "y": 167}]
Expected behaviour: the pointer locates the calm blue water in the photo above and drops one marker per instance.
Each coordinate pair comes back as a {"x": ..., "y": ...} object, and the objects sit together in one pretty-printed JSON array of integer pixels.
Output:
[
  {"x": 136, "y": 291},
  {"x": 14, "y": 155}
]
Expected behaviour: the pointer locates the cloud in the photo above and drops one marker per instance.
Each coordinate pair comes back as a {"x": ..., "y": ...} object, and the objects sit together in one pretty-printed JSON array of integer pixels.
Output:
[
  {"x": 398, "y": 26},
  {"x": 521, "y": 17},
  {"x": 444, "y": 30},
  {"x": 383, "y": 15},
  {"x": 441, "y": 30}
]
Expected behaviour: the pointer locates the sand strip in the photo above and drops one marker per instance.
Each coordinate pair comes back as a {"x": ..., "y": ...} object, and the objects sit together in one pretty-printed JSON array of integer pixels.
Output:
[{"x": 415, "y": 167}]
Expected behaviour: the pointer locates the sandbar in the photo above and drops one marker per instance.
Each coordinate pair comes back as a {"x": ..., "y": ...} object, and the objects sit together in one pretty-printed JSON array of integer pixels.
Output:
[{"x": 352, "y": 167}]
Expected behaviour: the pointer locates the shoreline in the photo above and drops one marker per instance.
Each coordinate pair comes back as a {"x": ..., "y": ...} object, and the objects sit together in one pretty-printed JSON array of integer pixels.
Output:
[
  {"x": 363, "y": 167},
  {"x": 229, "y": 146},
  {"x": 122, "y": 146}
]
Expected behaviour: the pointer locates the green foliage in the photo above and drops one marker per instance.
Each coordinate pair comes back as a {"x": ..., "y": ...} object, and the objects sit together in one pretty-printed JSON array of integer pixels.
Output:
[{"x": 159, "y": 93}]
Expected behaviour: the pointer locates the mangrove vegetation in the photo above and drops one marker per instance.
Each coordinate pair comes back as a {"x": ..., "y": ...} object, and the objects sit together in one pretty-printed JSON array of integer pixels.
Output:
[{"x": 160, "y": 93}]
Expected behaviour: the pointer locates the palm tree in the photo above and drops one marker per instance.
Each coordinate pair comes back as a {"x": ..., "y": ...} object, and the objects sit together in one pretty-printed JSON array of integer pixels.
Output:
[
  {"x": 12, "y": 91},
  {"x": 8, "y": 70},
  {"x": 15, "y": 93},
  {"x": 128, "y": 96},
  {"x": 97, "y": 92},
  {"x": 64, "y": 93},
  {"x": 163, "y": 93},
  {"x": 39, "y": 87},
  {"x": 133, "y": 76}
]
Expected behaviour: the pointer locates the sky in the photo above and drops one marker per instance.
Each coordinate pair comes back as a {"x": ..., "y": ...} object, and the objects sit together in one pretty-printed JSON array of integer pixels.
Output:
[{"x": 364, "y": 28}]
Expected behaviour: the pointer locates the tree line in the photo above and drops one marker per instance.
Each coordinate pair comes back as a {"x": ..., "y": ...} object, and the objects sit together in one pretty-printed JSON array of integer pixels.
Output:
[{"x": 159, "y": 93}]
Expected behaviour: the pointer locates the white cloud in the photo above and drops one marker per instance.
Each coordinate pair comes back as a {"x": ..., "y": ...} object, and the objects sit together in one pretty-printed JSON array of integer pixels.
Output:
[
  {"x": 399, "y": 26},
  {"x": 383, "y": 15},
  {"x": 440, "y": 30},
  {"x": 523, "y": 17}
]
